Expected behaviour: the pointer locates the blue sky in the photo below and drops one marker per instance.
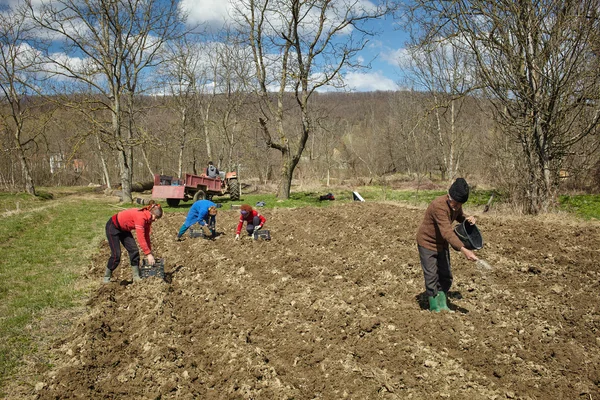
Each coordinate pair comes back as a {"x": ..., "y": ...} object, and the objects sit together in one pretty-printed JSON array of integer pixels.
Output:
[{"x": 385, "y": 50}]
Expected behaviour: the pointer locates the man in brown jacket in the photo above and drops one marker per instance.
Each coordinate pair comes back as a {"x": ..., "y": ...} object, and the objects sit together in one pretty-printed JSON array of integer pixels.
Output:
[{"x": 433, "y": 237}]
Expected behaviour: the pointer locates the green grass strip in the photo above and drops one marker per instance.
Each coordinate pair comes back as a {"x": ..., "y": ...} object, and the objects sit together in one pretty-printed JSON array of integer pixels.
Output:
[
  {"x": 369, "y": 193},
  {"x": 42, "y": 253},
  {"x": 586, "y": 206}
]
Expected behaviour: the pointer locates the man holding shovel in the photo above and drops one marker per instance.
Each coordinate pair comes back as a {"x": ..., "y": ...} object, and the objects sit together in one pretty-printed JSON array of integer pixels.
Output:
[{"x": 434, "y": 236}]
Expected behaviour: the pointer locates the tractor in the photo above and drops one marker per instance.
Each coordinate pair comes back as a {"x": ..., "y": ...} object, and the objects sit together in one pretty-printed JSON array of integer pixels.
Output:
[{"x": 196, "y": 187}]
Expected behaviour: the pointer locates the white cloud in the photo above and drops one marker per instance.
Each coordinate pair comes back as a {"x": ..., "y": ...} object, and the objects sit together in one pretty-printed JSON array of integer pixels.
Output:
[
  {"x": 398, "y": 57},
  {"x": 210, "y": 12},
  {"x": 367, "y": 82},
  {"x": 219, "y": 12}
]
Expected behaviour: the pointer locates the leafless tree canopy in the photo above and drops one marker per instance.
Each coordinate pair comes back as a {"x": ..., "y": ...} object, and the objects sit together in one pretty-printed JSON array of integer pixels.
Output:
[
  {"x": 537, "y": 62},
  {"x": 124, "y": 92},
  {"x": 296, "y": 48},
  {"x": 106, "y": 48}
]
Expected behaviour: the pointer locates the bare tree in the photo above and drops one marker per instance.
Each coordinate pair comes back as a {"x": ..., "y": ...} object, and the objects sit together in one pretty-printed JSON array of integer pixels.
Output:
[
  {"x": 443, "y": 71},
  {"x": 208, "y": 82},
  {"x": 233, "y": 73},
  {"x": 537, "y": 64},
  {"x": 107, "y": 46},
  {"x": 181, "y": 80},
  {"x": 17, "y": 74},
  {"x": 299, "y": 47},
  {"x": 228, "y": 70}
]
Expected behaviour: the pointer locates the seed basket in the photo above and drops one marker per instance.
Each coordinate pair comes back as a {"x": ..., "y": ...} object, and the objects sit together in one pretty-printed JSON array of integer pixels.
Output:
[
  {"x": 262, "y": 234},
  {"x": 196, "y": 233},
  {"x": 157, "y": 270}
]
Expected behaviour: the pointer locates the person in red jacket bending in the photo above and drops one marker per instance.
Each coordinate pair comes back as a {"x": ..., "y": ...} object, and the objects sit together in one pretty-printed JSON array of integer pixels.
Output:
[
  {"x": 118, "y": 230},
  {"x": 254, "y": 221}
]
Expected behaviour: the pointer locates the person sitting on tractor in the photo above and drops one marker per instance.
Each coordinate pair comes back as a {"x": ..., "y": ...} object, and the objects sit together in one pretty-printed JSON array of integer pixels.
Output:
[
  {"x": 118, "y": 230},
  {"x": 211, "y": 170},
  {"x": 203, "y": 212},
  {"x": 254, "y": 221}
]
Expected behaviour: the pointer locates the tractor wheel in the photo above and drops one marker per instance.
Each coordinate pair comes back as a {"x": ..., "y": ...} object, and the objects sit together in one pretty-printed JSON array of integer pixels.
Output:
[
  {"x": 173, "y": 202},
  {"x": 234, "y": 189},
  {"x": 199, "y": 195}
]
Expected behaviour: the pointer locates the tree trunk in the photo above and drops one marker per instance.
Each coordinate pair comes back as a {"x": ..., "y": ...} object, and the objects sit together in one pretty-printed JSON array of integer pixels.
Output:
[
  {"x": 126, "y": 174},
  {"x": 142, "y": 186},
  {"x": 285, "y": 185},
  {"x": 27, "y": 178},
  {"x": 147, "y": 162},
  {"x": 124, "y": 155},
  {"x": 182, "y": 142},
  {"x": 103, "y": 162},
  {"x": 206, "y": 135}
]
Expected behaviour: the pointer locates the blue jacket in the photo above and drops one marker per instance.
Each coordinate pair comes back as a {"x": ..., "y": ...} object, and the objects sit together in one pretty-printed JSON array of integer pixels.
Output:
[{"x": 199, "y": 213}]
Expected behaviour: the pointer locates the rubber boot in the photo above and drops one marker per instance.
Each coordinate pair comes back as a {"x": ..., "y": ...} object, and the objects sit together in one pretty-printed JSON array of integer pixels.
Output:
[
  {"x": 107, "y": 276},
  {"x": 433, "y": 304},
  {"x": 135, "y": 270},
  {"x": 442, "y": 302}
]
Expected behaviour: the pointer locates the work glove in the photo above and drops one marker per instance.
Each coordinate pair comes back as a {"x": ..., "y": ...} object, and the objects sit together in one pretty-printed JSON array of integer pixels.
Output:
[
  {"x": 256, "y": 228},
  {"x": 206, "y": 230},
  {"x": 237, "y": 236}
]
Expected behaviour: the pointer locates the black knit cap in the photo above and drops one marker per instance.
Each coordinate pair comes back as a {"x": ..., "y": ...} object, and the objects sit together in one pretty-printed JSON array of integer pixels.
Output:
[{"x": 459, "y": 190}]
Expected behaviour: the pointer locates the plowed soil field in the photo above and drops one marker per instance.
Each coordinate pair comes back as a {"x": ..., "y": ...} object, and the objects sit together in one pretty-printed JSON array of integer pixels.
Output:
[{"x": 333, "y": 307}]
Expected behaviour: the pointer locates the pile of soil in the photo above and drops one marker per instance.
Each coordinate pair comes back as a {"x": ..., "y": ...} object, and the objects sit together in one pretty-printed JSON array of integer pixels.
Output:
[{"x": 333, "y": 307}]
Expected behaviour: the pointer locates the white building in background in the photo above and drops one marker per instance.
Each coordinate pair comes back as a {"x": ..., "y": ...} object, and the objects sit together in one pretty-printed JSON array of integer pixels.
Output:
[{"x": 57, "y": 161}]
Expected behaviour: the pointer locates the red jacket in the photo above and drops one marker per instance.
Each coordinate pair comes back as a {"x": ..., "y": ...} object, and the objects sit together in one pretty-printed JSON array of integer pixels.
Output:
[
  {"x": 140, "y": 220},
  {"x": 249, "y": 217}
]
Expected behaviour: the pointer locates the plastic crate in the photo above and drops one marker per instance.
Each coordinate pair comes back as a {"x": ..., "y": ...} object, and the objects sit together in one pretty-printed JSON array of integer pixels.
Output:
[
  {"x": 196, "y": 233},
  {"x": 156, "y": 270},
  {"x": 262, "y": 234}
]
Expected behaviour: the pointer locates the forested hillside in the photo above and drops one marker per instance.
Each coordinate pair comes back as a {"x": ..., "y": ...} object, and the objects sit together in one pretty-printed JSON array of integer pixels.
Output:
[{"x": 358, "y": 137}]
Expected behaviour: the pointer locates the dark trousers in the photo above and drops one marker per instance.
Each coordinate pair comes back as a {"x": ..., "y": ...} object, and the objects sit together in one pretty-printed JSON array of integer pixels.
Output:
[
  {"x": 250, "y": 226},
  {"x": 436, "y": 270},
  {"x": 115, "y": 237}
]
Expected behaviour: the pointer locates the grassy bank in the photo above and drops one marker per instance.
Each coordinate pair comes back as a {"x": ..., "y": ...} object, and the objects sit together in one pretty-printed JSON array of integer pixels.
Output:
[
  {"x": 586, "y": 206},
  {"x": 368, "y": 193},
  {"x": 44, "y": 247}
]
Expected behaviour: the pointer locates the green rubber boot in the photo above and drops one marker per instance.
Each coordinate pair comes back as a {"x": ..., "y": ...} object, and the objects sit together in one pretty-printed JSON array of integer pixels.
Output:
[
  {"x": 442, "y": 301},
  {"x": 135, "y": 270},
  {"x": 107, "y": 276},
  {"x": 433, "y": 304}
]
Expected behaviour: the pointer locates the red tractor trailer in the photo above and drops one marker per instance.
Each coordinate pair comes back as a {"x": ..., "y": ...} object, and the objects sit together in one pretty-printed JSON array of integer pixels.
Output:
[{"x": 196, "y": 187}]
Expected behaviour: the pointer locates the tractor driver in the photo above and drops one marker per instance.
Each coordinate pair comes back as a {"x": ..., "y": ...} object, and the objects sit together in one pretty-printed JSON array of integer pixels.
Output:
[
  {"x": 203, "y": 212},
  {"x": 211, "y": 170}
]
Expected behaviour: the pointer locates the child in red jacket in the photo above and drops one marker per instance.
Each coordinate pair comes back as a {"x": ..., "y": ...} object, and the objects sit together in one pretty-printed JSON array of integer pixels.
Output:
[{"x": 254, "y": 221}]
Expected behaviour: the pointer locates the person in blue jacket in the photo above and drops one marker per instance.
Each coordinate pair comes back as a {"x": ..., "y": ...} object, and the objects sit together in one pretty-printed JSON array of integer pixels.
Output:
[{"x": 203, "y": 212}]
